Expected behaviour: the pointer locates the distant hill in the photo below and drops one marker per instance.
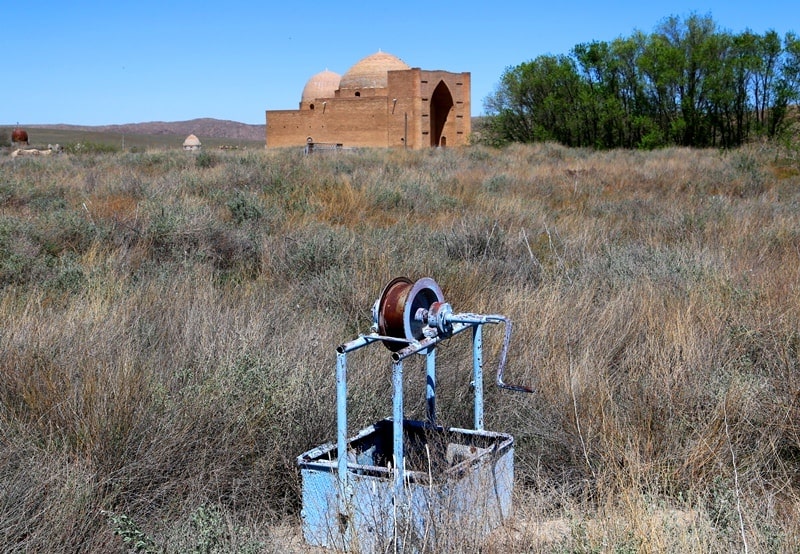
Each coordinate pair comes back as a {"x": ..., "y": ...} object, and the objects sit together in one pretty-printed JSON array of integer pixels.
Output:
[{"x": 203, "y": 127}]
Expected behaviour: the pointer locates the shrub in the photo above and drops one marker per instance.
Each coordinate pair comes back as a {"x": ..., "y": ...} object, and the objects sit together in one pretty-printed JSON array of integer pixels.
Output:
[
  {"x": 244, "y": 207},
  {"x": 204, "y": 160}
]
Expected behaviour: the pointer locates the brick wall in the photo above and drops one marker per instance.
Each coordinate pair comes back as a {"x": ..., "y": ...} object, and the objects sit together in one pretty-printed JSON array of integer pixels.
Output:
[{"x": 401, "y": 115}]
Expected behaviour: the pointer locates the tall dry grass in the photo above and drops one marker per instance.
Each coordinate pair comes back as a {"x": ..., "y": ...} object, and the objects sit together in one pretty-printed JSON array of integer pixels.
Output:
[{"x": 169, "y": 325}]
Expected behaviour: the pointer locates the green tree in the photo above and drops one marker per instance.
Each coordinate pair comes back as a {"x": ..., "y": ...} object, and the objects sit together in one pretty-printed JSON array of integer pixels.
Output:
[
  {"x": 687, "y": 83},
  {"x": 690, "y": 43},
  {"x": 639, "y": 121},
  {"x": 537, "y": 101},
  {"x": 594, "y": 60},
  {"x": 611, "y": 94},
  {"x": 660, "y": 70},
  {"x": 716, "y": 110},
  {"x": 768, "y": 51},
  {"x": 790, "y": 66},
  {"x": 787, "y": 86},
  {"x": 743, "y": 65}
]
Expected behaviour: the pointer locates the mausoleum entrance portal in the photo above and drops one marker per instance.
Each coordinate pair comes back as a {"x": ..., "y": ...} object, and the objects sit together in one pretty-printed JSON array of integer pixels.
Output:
[{"x": 441, "y": 106}]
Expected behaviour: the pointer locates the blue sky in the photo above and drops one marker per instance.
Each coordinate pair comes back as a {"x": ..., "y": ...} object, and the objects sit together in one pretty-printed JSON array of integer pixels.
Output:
[{"x": 97, "y": 63}]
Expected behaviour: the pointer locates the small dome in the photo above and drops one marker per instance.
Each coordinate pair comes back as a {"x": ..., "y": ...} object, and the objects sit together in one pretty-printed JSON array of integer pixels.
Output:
[
  {"x": 321, "y": 85},
  {"x": 372, "y": 71},
  {"x": 19, "y": 135},
  {"x": 191, "y": 140}
]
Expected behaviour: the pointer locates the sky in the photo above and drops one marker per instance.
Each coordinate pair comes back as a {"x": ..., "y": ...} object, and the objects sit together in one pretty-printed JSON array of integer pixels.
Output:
[{"x": 101, "y": 63}]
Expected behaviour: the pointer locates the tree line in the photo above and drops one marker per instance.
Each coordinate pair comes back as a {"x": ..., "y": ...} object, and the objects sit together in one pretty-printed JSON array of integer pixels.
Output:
[{"x": 687, "y": 83}]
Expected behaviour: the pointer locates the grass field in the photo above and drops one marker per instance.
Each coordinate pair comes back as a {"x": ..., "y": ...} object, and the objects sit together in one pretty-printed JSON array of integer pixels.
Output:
[{"x": 169, "y": 324}]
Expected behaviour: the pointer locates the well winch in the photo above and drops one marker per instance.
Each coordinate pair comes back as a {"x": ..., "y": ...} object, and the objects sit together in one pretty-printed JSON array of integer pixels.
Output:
[{"x": 405, "y": 474}]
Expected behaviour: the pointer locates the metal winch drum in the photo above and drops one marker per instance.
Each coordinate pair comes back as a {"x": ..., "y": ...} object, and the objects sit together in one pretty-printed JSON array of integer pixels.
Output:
[{"x": 401, "y": 481}]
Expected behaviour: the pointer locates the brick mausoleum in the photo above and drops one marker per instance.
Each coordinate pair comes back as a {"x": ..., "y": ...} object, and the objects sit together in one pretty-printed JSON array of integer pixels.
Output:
[{"x": 380, "y": 102}]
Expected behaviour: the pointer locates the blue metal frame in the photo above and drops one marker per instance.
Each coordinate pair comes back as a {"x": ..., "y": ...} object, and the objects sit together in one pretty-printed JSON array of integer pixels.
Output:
[
  {"x": 427, "y": 346},
  {"x": 350, "y": 494}
]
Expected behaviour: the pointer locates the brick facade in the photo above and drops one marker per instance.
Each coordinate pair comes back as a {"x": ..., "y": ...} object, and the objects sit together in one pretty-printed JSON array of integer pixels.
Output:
[{"x": 410, "y": 107}]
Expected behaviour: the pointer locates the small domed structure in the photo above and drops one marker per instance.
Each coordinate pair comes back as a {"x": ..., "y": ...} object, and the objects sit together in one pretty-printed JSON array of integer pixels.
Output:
[
  {"x": 19, "y": 136},
  {"x": 321, "y": 85},
  {"x": 372, "y": 72},
  {"x": 192, "y": 143}
]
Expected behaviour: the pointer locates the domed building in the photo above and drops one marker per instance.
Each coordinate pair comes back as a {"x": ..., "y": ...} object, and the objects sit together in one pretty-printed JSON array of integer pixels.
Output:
[
  {"x": 379, "y": 102},
  {"x": 192, "y": 143}
]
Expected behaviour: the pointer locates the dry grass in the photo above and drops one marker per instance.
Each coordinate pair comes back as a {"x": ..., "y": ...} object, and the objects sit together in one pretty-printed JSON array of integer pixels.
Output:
[{"x": 169, "y": 325}]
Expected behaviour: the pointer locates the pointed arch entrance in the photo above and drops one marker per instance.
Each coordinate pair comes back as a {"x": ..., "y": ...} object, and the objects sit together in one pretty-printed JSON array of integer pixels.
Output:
[{"x": 441, "y": 106}]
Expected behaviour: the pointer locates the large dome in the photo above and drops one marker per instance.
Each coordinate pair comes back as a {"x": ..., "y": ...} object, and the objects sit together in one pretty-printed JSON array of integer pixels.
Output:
[
  {"x": 372, "y": 71},
  {"x": 321, "y": 85}
]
